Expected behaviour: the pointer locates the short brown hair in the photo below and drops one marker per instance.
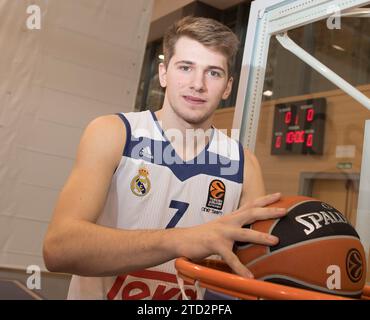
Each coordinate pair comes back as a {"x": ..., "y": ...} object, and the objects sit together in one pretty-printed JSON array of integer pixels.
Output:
[{"x": 208, "y": 32}]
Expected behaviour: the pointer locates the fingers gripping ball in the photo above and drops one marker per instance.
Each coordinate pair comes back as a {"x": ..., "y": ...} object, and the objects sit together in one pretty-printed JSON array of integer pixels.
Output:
[{"x": 318, "y": 249}]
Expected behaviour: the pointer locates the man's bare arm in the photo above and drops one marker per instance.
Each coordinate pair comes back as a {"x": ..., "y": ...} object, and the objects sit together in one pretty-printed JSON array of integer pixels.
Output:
[
  {"x": 253, "y": 184},
  {"x": 74, "y": 242}
]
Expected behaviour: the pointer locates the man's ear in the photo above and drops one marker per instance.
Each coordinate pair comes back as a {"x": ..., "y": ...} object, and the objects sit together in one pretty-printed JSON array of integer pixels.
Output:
[
  {"x": 162, "y": 73},
  {"x": 228, "y": 88}
]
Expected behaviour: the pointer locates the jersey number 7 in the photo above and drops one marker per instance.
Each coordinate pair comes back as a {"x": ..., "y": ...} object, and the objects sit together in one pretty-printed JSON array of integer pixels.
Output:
[{"x": 181, "y": 208}]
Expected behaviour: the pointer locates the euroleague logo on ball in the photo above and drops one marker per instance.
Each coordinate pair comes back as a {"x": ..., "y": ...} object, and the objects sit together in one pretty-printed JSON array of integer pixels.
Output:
[{"x": 354, "y": 265}]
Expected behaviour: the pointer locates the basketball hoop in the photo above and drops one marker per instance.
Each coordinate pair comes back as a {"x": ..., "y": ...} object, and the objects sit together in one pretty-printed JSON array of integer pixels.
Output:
[{"x": 216, "y": 275}]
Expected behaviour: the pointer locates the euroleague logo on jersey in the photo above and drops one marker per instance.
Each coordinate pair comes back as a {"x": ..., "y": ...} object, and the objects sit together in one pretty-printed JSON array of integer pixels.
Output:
[{"x": 216, "y": 194}]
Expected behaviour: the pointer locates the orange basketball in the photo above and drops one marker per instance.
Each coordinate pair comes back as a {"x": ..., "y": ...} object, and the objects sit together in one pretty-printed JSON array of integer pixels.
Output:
[{"x": 318, "y": 249}]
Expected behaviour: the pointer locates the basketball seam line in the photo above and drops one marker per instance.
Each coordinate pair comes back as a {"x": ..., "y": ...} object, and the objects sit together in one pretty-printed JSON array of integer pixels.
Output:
[
  {"x": 294, "y": 246},
  {"x": 303, "y": 283}
]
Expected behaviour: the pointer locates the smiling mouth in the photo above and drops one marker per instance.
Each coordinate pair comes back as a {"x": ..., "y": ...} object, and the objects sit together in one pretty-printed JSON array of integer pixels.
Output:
[{"x": 194, "y": 100}]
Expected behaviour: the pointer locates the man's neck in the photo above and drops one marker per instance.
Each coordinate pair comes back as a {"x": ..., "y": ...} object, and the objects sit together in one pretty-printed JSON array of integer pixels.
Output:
[
  {"x": 190, "y": 139},
  {"x": 170, "y": 120}
]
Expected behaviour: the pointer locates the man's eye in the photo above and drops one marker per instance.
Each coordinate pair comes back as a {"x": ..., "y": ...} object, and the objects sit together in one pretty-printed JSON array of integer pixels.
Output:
[
  {"x": 215, "y": 73},
  {"x": 184, "y": 68}
]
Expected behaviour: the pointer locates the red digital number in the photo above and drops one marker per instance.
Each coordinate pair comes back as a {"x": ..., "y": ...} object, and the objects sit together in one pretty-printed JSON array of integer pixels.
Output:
[
  {"x": 309, "y": 115},
  {"x": 299, "y": 137},
  {"x": 288, "y": 117},
  {"x": 278, "y": 142},
  {"x": 309, "y": 141},
  {"x": 295, "y": 137},
  {"x": 289, "y": 137}
]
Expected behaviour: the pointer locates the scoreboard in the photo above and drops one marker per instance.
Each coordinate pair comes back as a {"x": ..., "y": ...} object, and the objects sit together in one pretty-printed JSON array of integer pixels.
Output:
[{"x": 299, "y": 127}]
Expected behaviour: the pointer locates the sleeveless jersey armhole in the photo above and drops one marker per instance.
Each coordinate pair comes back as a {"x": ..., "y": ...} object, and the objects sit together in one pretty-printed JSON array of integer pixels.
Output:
[
  {"x": 128, "y": 135},
  {"x": 241, "y": 163}
]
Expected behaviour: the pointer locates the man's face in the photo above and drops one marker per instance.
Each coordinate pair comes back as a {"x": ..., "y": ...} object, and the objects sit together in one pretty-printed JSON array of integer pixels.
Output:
[{"x": 196, "y": 79}]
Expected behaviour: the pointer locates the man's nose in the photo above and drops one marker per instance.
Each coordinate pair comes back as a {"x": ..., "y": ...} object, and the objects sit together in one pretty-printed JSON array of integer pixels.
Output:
[{"x": 198, "y": 82}]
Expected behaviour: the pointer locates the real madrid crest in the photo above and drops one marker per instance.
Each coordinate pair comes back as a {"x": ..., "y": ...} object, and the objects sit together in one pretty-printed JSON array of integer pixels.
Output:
[{"x": 140, "y": 184}]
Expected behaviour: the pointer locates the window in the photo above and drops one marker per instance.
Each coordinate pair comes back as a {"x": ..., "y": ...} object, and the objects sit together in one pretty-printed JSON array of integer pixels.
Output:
[{"x": 151, "y": 94}]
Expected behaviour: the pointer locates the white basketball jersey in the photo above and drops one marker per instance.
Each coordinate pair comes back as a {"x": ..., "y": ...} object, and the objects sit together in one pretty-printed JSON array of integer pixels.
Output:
[{"x": 152, "y": 188}]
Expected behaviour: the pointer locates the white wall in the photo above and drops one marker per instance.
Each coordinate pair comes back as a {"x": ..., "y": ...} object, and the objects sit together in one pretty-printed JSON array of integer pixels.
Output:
[
  {"x": 164, "y": 7},
  {"x": 84, "y": 62}
]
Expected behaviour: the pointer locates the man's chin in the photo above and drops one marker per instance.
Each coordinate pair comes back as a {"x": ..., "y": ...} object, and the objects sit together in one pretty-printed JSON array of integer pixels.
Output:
[{"x": 195, "y": 118}]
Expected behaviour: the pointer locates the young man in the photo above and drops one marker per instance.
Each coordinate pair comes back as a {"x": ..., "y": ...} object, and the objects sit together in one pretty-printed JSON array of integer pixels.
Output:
[{"x": 135, "y": 200}]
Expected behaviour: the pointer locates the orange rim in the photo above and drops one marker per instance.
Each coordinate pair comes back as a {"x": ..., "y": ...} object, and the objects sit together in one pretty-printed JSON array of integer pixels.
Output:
[{"x": 211, "y": 275}]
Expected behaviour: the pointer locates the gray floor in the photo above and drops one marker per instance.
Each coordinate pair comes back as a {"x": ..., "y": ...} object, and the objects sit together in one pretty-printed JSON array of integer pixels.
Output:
[{"x": 53, "y": 286}]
